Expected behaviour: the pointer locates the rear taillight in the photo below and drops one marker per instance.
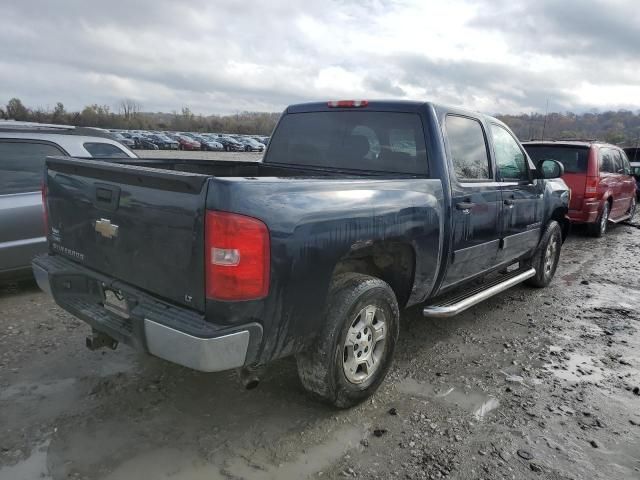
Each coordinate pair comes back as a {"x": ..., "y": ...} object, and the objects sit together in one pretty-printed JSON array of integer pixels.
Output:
[
  {"x": 591, "y": 187},
  {"x": 237, "y": 257},
  {"x": 347, "y": 103},
  {"x": 45, "y": 213}
]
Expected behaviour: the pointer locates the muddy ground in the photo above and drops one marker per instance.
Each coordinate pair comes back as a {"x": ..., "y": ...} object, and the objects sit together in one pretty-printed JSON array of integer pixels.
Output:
[{"x": 530, "y": 384}]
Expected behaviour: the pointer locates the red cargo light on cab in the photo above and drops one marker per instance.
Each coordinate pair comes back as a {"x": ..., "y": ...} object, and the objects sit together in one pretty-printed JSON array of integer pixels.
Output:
[
  {"x": 347, "y": 103},
  {"x": 237, "y": 257}
]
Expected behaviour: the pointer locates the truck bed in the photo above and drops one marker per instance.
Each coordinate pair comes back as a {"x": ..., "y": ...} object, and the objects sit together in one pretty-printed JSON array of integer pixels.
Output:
[{"x": 226, "y": 168}]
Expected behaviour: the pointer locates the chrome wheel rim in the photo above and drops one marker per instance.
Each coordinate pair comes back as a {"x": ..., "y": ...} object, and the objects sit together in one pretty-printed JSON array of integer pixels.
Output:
[
  {"x": 364, "y": 344},
  {"x": 550, "y": 256},
  {"x": 605, "y": 217}
]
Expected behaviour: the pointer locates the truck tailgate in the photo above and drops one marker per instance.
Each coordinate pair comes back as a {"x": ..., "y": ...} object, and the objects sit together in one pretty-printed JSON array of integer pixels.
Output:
[{"x": 141, "y": 226}]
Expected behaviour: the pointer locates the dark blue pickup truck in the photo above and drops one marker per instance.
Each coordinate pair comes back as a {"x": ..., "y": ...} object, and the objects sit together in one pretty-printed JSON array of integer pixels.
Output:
[{"x": 358, "y": 210}]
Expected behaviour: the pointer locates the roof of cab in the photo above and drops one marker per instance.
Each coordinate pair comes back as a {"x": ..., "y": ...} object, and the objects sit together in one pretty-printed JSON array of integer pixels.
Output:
[{"x": 406, "y": 106}]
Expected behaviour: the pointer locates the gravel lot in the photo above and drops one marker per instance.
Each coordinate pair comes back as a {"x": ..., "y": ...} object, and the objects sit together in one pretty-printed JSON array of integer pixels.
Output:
[{"x": 530, "y": 384}]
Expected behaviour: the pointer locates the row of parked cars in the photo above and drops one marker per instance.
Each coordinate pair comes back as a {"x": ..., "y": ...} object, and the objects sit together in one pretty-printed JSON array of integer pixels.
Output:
[{"x": 156, "y": 140}]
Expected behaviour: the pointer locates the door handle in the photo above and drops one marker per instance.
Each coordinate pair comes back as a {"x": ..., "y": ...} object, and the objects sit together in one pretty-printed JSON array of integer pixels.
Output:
[{"x": 465, "y": 206}]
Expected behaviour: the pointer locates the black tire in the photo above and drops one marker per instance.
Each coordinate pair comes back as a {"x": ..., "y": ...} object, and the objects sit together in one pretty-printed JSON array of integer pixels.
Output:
[
  {"x": 599, "y": 228},
  {"x": 226, "y": 148},
  {"x": 321, "y": 368},
  {"x": 545, "y": 259},
  {"x": 633, "y": 206}
]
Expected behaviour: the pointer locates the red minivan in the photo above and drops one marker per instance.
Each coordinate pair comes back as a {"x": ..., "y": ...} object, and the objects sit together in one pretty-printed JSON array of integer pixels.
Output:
[{"x": 599, "y": 175}]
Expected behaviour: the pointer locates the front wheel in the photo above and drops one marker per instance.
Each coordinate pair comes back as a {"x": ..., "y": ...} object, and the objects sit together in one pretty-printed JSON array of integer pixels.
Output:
[
  {"x": 351, "y": 357},
  {"x": 547, "y": 256}
]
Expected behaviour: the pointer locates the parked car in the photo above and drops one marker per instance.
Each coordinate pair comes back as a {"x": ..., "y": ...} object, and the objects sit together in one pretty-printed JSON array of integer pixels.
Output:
[
  {"x": 163, "y": 142},
  {"x": 633, "y": 154},
  {"x": 144, "y": 143},
  {"x": 186, "y": 143},
  {"x": 599, "y": 175},
  {"x": 23, "y": 148},
  {"x": 311, "y": 252},
  {"x": 127, "y": 142},
  {"x": 230, "y": 144},
  {"x": 207, "y": 143},
  {"x": 250, "y": 145}
]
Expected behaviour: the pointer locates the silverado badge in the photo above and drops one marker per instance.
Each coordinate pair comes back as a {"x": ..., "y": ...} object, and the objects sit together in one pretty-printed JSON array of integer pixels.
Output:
[{"x": 105, "y": 228}]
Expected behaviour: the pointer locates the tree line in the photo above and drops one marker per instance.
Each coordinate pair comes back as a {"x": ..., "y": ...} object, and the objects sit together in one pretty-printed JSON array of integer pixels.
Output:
[
  {"x": 128, "y": 115},
  {"x": 619, "y": 127}
]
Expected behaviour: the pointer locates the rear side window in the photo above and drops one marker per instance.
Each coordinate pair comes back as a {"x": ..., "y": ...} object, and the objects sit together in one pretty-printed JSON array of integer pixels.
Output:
[
  {"x": 377, "y": 141},
  {"x": 468, "y": 148},
  {"x": 608, "y": 160},
  {"x": 104, "y": 150},
  {"x": 574, "y": 159},
  {"x": 625, "y": 168},
  {"x": 22, "y": 165}
]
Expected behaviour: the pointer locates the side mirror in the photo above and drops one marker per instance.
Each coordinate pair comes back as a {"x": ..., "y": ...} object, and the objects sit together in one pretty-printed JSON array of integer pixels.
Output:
[{"x": 550, "y": 169}]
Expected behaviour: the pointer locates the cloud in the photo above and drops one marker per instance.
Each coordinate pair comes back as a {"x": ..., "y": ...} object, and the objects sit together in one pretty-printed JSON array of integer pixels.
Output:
[{"x": 227, "y": 56}]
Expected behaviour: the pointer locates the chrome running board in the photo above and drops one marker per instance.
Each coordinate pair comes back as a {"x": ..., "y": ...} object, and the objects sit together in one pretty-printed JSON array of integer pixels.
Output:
[{"x": 450, "y": 307}]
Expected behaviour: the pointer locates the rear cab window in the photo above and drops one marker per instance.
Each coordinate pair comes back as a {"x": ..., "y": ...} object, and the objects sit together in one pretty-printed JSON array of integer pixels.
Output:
[
  {"x": 574, "y": 158},
  {"x": 373, "y": 141},
  {"x": 22, "y": 165},
  {"x": 104, "y": 150}
]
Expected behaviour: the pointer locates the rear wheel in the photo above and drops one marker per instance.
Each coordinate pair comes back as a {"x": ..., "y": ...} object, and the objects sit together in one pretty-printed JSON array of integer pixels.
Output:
[
  {"x": 599, "y": 228},
  {"x": 547, "y": 256},
  {"x": 632, "y": 208},
  {"x": 351, "y": 357}
]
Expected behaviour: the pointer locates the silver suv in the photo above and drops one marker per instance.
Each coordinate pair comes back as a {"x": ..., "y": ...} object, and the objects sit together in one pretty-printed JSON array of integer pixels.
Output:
[{"x": 23, "y": 149}]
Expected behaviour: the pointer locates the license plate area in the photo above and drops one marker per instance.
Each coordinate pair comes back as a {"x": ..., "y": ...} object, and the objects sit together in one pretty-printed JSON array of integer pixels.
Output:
[{"x": 116, "y": 303}]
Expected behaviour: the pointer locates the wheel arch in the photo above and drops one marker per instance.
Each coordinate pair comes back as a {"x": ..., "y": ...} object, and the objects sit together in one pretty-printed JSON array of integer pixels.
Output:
[{"x": 391, "y": 262}]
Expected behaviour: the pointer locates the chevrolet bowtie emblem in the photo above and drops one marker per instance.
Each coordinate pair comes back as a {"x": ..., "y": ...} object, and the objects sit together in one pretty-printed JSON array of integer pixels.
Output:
[{"x": 105, "y": 228}]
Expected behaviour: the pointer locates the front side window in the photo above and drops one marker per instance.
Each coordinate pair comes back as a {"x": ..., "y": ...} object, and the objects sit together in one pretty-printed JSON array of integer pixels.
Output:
[
  {"x": 104, "y": 150},
  {"x": 510, "y": 159},
  {"x": 22, "y": 165},
  {"x": 468, "y": 148}
]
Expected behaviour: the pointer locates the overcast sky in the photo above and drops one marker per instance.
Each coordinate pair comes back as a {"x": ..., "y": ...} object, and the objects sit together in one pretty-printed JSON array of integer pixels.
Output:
[{"x": 223, "y": 56}]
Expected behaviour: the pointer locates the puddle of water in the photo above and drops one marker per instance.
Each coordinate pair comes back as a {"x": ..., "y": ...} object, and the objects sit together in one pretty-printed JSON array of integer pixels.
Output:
[
  {"x": 314, "y": 459},
  {"x": 38, "y": 389},
  {"x": 165, "y": 464},
  {"x": 578, "y": 368},
  {"x": 32, "y": 468},
  {"x": 479, "y": 404}
]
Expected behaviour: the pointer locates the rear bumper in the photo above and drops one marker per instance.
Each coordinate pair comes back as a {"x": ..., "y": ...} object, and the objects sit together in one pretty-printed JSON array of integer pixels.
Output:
[
  {"x": 587, "y": 214},
  {"x": 164, "y": 330}
]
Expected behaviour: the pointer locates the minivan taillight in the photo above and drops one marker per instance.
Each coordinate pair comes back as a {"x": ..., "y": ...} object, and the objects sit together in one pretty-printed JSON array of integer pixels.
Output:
[
  {"x": 45, "y": 213},
  {"x": 591, "y": 187},
  {"x": 237, "y": 257}
]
